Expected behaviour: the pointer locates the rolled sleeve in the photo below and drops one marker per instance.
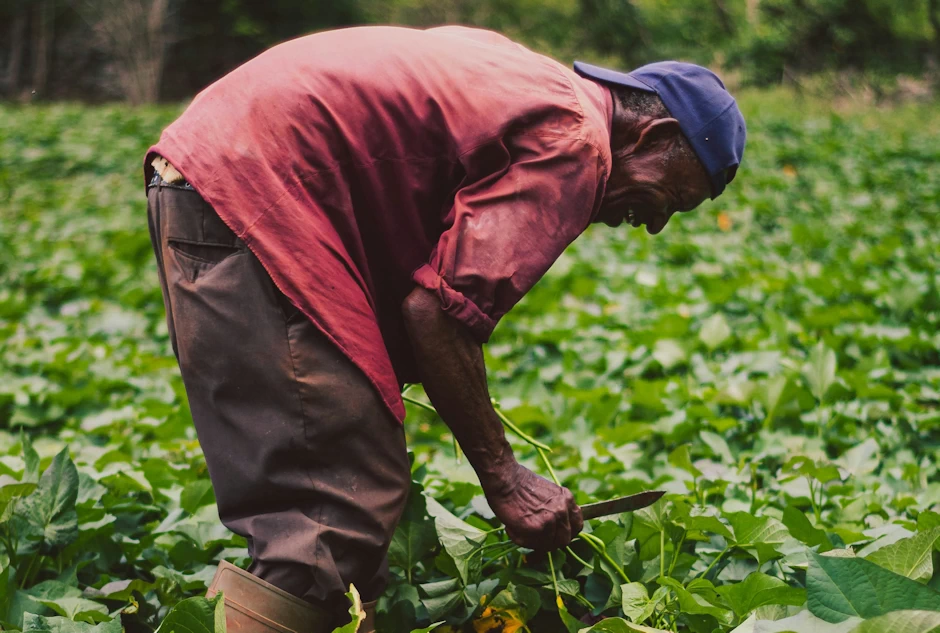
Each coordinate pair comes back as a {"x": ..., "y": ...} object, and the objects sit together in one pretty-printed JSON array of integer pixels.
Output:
[
  {"x": 506, "y": 230},
  {"x": 455, "y": 303}
]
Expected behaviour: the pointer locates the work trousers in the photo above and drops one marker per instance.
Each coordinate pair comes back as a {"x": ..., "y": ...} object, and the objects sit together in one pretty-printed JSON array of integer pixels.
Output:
[{"x": 306, "y": 461}]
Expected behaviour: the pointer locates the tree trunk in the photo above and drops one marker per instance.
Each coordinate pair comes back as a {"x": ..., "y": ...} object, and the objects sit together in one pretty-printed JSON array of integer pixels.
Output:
[
  {"x": 43, "y": 24},
  {"x": 17, "y": 47},
  {"x": 137, "y": 34}
]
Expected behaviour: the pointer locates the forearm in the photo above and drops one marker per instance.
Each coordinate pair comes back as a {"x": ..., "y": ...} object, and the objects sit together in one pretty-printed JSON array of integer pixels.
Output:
[{"x": 451, "y": 366}]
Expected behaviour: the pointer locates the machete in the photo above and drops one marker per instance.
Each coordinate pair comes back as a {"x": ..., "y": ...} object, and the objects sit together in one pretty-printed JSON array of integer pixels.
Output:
[{"x": 623, "y": 504}]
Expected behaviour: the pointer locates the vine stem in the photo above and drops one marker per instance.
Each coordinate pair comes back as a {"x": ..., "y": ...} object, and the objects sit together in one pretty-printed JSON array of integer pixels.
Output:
[
  {"x": 662, "y": 553},
  {"x": 576, "y": 557},
  {"x": 601, "y": 549},
  {"x": 515, "y": 429},
  {"x": 502, "y": 416},
  {"x": 675, "y": 555},
  {"x": 548, "y": 465},
  {"x": 551, "y": 566},
  {"x": 714, "y": 562}
]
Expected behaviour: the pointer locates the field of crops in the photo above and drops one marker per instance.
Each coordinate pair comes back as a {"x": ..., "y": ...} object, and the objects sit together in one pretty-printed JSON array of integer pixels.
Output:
[{"x": 771, "y": 360}]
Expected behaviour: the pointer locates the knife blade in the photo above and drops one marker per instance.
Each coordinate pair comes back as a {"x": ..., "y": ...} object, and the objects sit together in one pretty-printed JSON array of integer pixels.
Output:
[{"x": 623, "y": 504}]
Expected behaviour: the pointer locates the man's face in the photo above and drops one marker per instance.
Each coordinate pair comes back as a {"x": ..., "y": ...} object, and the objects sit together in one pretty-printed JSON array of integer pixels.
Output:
[{"x": 650, "y": 182}]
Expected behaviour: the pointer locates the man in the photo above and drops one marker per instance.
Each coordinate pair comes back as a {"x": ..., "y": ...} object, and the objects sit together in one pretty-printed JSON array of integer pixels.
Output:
[{"x": 357, "y": 209}]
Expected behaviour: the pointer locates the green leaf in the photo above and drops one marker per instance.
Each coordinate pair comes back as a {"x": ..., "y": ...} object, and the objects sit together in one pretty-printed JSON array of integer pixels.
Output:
[
  {"x": 841, "y": 588},
  {"x": 31, "y": 459},
  {"x": 803, "y": 622},
  {"x": 458, "y": 538},
  {"x": 715, "y": 331},
  {"x": 619, "y": 625},
  {"x": 911, "y": 557},
  {"x": 415, "y": 536},
  {"x": 197, "y": 494},
  {"x": 50, "y": 510},
  {"x": 356, "y": 614},
  {"x": 771, "y": 393},
  {"x": 762, "y": 535},
  {"x": 719, "y": 446},
  {"x": 820, "y": 370},
  {"x": 9, "y": 492},
  {"x": 802, "y": 530},
  {"x": 427, "y": 629},
  {"x": 862, "y": 459},
  {"x": 696, "y": 603},
  {"x": 572, "y": 624},
  {"x": 759, "y": 589},
  {"x": 39, "y": 624},
  {"x": 654, "y": 515},
  {"x": 634, "y": 600},
  {"x": 680, "y": 458},
  {"x": 902, "y": 622},
  {"x": 196, "y": 615}
]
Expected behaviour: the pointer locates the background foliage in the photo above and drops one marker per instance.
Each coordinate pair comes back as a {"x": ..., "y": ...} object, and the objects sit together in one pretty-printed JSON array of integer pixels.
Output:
[
  {"x": 771, "y": 361},
  {"x": 143, "y": 50}
]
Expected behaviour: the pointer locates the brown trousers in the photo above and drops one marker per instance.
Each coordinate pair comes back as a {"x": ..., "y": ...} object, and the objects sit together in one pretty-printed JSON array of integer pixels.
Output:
[{"x": 306, "y": 461}]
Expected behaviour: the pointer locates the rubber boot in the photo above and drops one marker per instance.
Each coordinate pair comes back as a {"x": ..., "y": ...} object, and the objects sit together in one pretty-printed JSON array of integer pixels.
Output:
[
  {"x": 368, "y": 625},
  {"x": 255, "y": 606}
]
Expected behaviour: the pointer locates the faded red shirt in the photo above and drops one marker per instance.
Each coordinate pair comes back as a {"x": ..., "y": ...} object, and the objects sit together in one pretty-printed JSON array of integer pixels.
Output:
[{"x": 358, "y": 163}]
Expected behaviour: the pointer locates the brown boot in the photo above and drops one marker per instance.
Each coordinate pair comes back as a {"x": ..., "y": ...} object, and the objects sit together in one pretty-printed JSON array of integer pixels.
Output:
[
  {"x": 255, "y": 606},
  {"x": 368, "y": 625}
]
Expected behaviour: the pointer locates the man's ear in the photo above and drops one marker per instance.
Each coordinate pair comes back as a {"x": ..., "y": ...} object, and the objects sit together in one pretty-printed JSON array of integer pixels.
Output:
[{"x": 655, "y": 132}]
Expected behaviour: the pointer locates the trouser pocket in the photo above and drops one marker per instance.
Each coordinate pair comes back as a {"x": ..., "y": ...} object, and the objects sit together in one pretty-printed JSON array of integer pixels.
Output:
[{"x": 193, "y": 234}]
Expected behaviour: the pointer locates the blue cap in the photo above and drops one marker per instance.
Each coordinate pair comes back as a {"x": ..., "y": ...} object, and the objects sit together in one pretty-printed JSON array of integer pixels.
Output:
[{"x": 708, "y": 116}]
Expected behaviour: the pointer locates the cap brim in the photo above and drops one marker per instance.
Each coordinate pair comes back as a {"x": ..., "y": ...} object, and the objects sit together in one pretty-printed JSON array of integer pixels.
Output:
[{"x": 610, "y": 76}]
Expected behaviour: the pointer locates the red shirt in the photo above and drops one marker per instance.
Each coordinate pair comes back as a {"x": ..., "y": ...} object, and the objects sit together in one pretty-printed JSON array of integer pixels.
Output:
[{"x": 358, "y": 163}]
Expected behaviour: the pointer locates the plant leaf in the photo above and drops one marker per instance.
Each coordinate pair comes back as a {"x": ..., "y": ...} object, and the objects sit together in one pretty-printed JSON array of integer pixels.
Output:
[
  {"x": 195, "y": 615},
  {"x": 50, "y": 510},
  {"x": 356, "y": 614},
  {"x": 715, "y": 331},
  {"x": 695, "y": 603},
  {"x": 459, "y": 538},
  {"x": 820, "y": 370},
  {"x": 39, "y": 624},
  {"x": 911, "y": 557},
  {"x": 415, "y": 536},
  {"x": 902, "y": 622},
  {"x": 759, "y": 589},
  {"x": 841, "y": 588}
]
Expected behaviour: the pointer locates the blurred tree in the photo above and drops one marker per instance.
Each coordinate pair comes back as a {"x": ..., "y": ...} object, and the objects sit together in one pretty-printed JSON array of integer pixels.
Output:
[
  {"x": 30, "y": 44},
  {"x": 811, "y": 35},
  {"x": 136, "y": 34},
  {"x": 145, "y": 49}
]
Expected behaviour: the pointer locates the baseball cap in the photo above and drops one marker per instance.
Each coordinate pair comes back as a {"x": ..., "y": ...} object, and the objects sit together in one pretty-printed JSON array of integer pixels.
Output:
[{"x": 695, "y": 96}]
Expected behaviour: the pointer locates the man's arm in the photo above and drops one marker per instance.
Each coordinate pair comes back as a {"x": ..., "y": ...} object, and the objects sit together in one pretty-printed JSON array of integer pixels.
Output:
[{"x": 537, "y": 513}]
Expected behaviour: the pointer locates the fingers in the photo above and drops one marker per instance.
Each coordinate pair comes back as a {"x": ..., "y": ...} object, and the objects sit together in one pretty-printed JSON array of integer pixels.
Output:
[
  {"x": 574, "y": 516},
  {"x": 562, "y": 530}
]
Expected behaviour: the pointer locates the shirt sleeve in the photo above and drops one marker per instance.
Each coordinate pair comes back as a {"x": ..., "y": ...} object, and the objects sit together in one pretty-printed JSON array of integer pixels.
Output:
[{"x": 507, "y": 229}]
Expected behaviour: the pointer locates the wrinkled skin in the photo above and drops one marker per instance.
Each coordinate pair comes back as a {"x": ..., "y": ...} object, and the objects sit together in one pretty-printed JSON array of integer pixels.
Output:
[
  {"x": 649, "y": 179},
  {"x": 537, "y": 513}
]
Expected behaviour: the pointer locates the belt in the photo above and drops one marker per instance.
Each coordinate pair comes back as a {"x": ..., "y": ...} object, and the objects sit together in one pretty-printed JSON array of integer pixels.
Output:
[{"x": 165, "y": 173}]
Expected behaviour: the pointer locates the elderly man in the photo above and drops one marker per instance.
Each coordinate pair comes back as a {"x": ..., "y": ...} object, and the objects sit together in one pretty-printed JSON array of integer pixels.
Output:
[{"x": 357, "y": 209}]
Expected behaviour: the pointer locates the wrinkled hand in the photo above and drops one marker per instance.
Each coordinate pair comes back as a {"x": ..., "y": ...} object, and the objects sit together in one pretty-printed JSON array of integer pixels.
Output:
[{"x": 537, "y": 513}]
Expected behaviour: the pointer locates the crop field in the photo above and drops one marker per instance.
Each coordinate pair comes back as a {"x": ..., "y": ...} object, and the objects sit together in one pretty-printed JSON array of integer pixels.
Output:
[{"x": 772, "y": 361}]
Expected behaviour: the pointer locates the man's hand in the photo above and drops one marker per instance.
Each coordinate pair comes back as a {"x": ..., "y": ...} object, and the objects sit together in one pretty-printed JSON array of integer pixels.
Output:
[{"x": 537, "y": 513}]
